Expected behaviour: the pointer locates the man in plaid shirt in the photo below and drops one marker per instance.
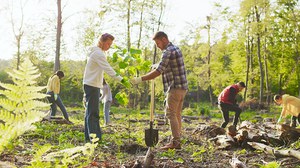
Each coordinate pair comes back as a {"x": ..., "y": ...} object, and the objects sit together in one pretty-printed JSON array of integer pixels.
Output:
[{"x": 172, "y": 68}]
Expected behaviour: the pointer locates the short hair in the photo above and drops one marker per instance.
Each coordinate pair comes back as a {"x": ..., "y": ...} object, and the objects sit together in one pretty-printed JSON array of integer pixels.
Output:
[
  {"x": 277, "y": 97},
  {"x": 60, "y": 74},
  {"x": 104, "y": 37},
  {"x": 242, "y": 84},
  {"x": 160, "y": 35}
]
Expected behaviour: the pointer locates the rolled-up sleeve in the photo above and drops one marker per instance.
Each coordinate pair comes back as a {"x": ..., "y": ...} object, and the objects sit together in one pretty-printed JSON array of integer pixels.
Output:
[{"x": 164, "y": 62}]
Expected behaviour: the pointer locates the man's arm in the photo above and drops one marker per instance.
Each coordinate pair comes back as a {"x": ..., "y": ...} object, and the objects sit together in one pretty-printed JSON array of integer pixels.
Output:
[
  {"x": 232, "y": 95},
  {"x": 151, "y": 75}
]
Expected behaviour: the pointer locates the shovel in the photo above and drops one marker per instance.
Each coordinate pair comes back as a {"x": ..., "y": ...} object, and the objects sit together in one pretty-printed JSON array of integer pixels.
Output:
[{"x": 151, "y": 135}]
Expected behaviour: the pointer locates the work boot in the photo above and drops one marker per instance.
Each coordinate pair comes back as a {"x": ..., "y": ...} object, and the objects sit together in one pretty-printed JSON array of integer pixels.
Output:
[
  {"x": 172, "y": 145},
  {"x": 69, "y": 122}
]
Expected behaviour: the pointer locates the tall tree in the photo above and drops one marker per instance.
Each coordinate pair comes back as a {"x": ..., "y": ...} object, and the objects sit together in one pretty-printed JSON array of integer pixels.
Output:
[
  {"x": 128, "y": 24},
  {"x": 208, "y": 27},
  {"x": 58, "y": 36},
  {"x": 258, "y": 36}
]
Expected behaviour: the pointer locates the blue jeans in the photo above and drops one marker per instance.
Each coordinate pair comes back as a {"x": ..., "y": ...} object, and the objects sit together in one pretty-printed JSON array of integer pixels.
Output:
[
  {"x": 59, "y": 103},
  {"x": 106, "y": 109},
  {"x": 91, "y": 120}
]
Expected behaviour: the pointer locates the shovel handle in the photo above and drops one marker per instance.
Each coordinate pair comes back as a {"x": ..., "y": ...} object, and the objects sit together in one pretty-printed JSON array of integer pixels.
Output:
[{"x": 152, "y": 102}]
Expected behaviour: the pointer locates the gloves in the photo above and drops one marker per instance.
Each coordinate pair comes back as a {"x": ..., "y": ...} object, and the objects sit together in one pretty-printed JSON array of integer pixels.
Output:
[
  {"x": 154, "y": 66},
  {"x": 136, "y": 80},
  {"x": 125, "y": 83},
  {"x": 55, "y": 97},
  {"x": 118, "y": 78}
]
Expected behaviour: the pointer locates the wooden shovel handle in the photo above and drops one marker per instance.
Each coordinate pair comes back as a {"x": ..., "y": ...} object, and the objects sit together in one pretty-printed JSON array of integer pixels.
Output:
[{"x": 152, "y": 101}]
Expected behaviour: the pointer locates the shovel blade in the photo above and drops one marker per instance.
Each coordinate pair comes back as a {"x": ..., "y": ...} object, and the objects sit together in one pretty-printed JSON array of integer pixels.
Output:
[{"x": 151, "y": 137}]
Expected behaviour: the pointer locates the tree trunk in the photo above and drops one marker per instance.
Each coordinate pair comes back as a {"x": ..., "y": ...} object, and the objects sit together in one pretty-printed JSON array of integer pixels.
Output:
[
  {"x": 58, "y": 36},
  {"x": 248, "y": 60},
  {"x": 18, "y": 34},
  {"x": 267, "y": 73},
  {"x": 128, "y": 24},
  {"x": 251, "y": 65},
  {"x": 18, "y": 38},
  {"x": 280, "y": 84},
  {"x": 141, "y": 25},
  {"x": 261, "y": 92},
  {"x": 208, "y": 60}
]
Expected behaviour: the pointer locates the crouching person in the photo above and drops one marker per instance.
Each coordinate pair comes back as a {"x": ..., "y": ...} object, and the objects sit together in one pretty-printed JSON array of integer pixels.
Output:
[
  {"x": 227, "y": 102},
  {"x": 290, "y": 106}
]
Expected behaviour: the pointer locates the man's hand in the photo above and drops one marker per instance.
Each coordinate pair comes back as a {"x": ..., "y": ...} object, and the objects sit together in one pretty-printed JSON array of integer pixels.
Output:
[
  {"x": 55, "y": 97},
  {"x": 136, "y": 80},
  {"x": 125, "y": 82}
]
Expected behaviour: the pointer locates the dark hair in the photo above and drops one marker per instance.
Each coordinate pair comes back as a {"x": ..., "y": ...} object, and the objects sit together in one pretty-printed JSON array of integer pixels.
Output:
[
  {"x": 160, "y": 35},
  {"x": 60, "y": 74},
  {"x": 242, "y": 84},
  {"x": 276, "y": 97},
  {"x": 104, "y": 37}
]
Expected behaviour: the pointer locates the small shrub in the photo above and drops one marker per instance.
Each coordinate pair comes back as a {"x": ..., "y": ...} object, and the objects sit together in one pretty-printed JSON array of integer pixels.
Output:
[
  {"x": 188, "y": 111},
  {"x": 252, "y": 104}
]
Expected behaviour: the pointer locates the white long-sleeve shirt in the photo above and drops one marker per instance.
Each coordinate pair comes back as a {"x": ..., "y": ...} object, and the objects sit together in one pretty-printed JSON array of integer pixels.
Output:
[
  {"x": 96, "y": 66},
  {"x": 106, "y": 94}
]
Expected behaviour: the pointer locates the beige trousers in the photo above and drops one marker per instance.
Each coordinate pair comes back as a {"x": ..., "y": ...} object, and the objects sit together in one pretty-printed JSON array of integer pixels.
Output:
[{"x": 174, "y": 103}]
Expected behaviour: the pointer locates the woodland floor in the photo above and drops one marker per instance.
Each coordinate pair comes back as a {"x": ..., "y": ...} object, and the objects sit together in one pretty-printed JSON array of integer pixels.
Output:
[{"x": 123, "y": 144}]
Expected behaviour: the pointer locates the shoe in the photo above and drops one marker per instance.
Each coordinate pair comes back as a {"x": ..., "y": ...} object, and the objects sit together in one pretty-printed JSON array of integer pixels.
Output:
[
  {"x": 171, "y": 145},
  {"x": 69, "y": 122}
]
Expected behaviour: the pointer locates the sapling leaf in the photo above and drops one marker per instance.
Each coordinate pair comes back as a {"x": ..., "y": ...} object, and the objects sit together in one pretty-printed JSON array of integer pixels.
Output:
[
  {"x": 123, "y": 65},
  {"x": 115, "y": 57},
  {"x": 122, "y": 98}
]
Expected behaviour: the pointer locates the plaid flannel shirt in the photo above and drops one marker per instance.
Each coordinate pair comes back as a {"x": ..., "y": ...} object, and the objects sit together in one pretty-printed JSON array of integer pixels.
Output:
[{"x": 172, "y": 69}]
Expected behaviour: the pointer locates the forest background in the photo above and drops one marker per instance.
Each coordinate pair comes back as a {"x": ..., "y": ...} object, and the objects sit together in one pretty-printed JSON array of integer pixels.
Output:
[{"x": 257, "y": 43}]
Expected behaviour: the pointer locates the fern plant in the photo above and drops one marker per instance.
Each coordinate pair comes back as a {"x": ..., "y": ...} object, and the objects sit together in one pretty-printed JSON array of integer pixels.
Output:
[
  {"x": 80, "y": 156},
  {"x": 20, "y": 103}
]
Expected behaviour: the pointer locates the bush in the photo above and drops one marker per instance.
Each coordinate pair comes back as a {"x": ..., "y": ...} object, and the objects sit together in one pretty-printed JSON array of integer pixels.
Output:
[{"x": 252, "y": 104}]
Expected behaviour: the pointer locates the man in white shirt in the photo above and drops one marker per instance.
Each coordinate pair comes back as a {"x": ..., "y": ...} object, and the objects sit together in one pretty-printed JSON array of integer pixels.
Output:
[{"x": 92, "y": 82}]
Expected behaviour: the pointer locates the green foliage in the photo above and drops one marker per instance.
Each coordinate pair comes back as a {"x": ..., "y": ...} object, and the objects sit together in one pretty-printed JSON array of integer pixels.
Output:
[
  {"x": 187, "y": 111},
  {"x": 128, "y": 64},
  {"x": 71, "y": 84},
  {"x": 198, "y": 154},
  {"x": 296, "y": 145},
  {"x": 271, "y": 165},
  {"x": 19, "y": 108},
  {"x": 170, "y": 153},
  {"x": 37, "y": 161},
  {"x": 80, "y": 155},
  {"x": 122, "y": 98},
  {"x": 243, "y": 151}
]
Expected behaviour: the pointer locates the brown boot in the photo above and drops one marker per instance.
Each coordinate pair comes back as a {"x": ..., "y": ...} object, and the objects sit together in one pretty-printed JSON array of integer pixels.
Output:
[{"x": 172, "y": 145}]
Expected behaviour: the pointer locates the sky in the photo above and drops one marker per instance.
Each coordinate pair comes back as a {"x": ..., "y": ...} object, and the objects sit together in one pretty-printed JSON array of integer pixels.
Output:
[{"x": 178, "y": 14}]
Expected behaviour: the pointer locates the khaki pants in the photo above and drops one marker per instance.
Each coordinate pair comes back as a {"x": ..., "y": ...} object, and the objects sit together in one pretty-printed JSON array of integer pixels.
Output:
[{"x": 174, "y": 103}]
